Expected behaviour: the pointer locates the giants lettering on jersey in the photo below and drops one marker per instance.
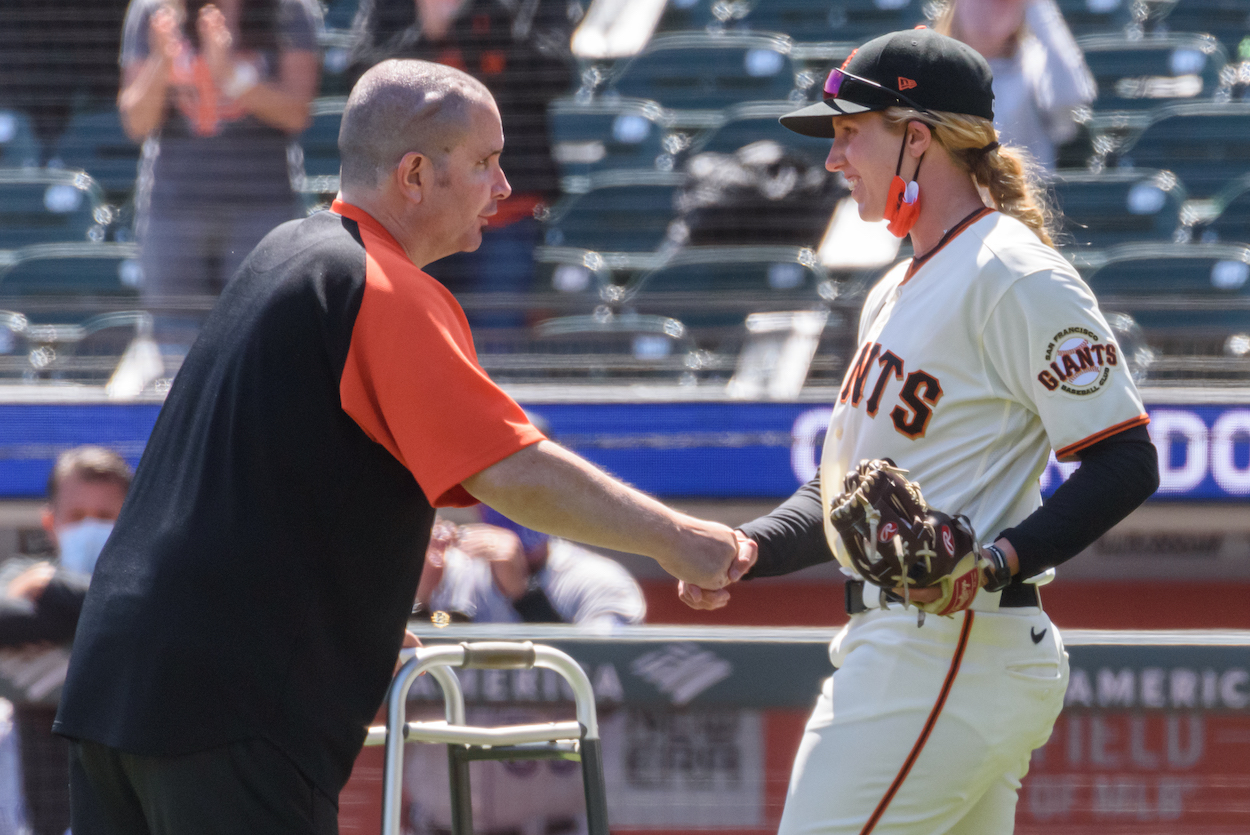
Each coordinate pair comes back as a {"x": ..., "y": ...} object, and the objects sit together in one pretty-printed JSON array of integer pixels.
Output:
[
  {"x": 1078, "y": 362},
  {"x": 919, "y": 393}
]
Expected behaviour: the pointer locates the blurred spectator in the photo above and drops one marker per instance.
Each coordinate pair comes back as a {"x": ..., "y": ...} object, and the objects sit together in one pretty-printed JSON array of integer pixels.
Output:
[
  {"x": 504, "y": 573},
  {"x": 520, "y": 51},
  {"x": 38, "y": 615},
  {"x": 1040, "y": 76},
  {"x": 218, "y": 91},
  {"x": 56, "y": 55}
]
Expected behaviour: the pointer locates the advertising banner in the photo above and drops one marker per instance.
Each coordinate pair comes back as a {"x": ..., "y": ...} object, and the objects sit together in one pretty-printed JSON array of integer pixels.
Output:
[
  {"x": 708, "y": 449},
  {"x": 699, "y": 735}
]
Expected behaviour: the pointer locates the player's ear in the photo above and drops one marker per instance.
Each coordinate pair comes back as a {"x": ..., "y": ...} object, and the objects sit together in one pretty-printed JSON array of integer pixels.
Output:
[
  {"x": 412, "y": 174},
  {"x": 919, "y": 137}
]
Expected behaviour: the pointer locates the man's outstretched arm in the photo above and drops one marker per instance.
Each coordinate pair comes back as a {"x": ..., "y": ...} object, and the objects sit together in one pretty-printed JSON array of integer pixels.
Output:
[{"x": 549, "y": 489}]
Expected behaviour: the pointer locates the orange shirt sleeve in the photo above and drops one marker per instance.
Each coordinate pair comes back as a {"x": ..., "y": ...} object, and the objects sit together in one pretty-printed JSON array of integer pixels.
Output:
[{"x": 412, "y": 380}]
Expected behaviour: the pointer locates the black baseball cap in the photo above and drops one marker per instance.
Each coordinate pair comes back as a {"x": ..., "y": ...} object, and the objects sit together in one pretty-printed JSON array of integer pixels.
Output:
[{"x": 915, "y": 68}]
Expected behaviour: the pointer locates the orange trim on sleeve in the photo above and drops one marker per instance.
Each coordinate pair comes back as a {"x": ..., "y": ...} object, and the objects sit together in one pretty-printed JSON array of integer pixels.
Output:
[
  {"x": 1069, "y": 452},
  {"x": 412, "y": 381}
]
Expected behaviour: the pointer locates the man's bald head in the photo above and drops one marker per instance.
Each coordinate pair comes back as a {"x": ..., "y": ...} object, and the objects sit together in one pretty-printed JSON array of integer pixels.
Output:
[{"x": 400, "y": 106}]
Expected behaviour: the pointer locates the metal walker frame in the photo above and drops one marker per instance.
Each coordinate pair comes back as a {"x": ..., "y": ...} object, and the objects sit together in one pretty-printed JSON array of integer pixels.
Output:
[{"x": 576, "y": 741}]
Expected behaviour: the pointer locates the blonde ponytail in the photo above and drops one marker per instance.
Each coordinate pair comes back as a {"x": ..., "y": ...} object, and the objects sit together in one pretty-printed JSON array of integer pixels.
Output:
[{"x": 1007, "y": 175}]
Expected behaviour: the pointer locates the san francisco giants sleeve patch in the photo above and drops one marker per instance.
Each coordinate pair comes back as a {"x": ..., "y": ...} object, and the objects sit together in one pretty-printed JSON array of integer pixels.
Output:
[{"x": 1078, "y": 362}]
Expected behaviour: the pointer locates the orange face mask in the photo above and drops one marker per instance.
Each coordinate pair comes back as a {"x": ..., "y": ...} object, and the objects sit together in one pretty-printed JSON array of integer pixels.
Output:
[{"x": 902, "y": 202}]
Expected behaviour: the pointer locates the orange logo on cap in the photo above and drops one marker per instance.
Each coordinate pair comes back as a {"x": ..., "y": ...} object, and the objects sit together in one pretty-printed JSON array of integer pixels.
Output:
[
  {"x": 905, "y": 83},
  {"x": 849, "y": 57}
]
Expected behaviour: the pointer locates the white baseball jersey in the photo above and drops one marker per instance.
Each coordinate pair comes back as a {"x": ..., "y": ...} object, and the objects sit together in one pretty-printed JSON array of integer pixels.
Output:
[
  {"x": 970, "y": 368},
  {"x": 973, "y": 363}
]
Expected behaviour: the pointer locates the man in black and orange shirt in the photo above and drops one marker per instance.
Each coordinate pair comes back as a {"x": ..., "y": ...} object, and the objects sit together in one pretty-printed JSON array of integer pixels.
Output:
[{"x": 244, "y": 619}]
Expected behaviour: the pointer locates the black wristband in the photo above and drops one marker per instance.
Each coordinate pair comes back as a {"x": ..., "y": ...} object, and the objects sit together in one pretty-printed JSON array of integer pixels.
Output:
[{"x": 997, "y": 570}]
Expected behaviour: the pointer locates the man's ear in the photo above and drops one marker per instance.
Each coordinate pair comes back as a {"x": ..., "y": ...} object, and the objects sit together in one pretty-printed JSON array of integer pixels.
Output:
[
  {"x": 412, "y": 174},
  {"x": 47, "y": 520}
]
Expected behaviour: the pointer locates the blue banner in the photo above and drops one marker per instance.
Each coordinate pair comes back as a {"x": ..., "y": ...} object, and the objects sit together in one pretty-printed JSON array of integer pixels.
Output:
[{"x": 706, "y": 450}]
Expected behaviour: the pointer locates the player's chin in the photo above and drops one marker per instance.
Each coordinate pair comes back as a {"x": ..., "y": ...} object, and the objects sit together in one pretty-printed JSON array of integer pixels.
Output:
[{"x": 867, "y": 213}]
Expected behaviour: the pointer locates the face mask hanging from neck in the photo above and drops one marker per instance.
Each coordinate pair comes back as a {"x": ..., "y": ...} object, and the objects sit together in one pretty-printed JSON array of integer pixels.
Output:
[{"x": 902, "y": 203}]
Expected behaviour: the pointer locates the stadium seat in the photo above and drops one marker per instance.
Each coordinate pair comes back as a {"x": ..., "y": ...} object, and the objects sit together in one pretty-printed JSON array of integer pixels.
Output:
[
  {"x": 339, "y": 14},
  {"x": 1093, "y": 17},
  {"x": 1174, "y": 290},
  {"x": 1118, "y": 206},
  {"x": 320, "y": 146},
  {"x": 1226, "y": 216},
  {"x": 109, "y": 269},
  {"x": 605, "y": 135},
  {"x": 698, "y": 71},
  {"x": 1226, "y": 20},
  {"x": 19, "y": 148},
  {"x": 770, "y": 273},
  {"x": 622, "y": 211},
  {"x": 1137, "y": 74},
  {"x": 755, "y": 121},
  {"x": 1204, "y": 144},
  {"x": 854, "y": 21},
  {"x": 112, "y": 349},
  {"x": 618, "y": 348},
  {"x": 94, "y": 141},
  {"x": 44, "y": 205}
]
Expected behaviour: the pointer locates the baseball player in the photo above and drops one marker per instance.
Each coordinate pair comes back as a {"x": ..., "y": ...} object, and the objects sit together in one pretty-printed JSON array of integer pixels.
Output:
[{"x": 975, "y": 359}]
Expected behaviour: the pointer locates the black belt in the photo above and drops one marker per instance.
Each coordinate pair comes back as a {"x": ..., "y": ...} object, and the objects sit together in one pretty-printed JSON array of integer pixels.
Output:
[{"x": 1015, "y": 596}]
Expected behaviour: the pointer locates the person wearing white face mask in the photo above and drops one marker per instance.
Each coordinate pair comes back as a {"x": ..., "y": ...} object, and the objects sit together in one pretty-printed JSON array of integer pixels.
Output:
[{"x": 38, "y": 614}]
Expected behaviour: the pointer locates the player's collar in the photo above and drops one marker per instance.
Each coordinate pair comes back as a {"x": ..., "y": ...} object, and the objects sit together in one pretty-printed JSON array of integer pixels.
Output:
[{"x": 919, "y": 261}]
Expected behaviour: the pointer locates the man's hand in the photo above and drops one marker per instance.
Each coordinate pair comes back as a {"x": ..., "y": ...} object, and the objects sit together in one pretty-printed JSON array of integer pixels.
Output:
[
  {"x": 411, "y": 641},
  {"x": 32, "y": 583},
  {"x": 503, "y": 550},
  {"x": 697, "y": 597}
]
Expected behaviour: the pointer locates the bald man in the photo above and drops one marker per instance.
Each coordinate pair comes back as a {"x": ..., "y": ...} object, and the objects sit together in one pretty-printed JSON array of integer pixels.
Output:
[{"x": 243, "y": 620}]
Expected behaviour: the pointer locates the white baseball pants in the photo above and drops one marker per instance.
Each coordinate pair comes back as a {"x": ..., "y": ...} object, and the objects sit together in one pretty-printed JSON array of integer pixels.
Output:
[{"x": 927, "y": 730}]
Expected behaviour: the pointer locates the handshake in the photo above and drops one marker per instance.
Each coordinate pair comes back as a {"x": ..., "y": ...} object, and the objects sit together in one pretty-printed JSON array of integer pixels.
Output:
[{"x": 714, "y": 596}]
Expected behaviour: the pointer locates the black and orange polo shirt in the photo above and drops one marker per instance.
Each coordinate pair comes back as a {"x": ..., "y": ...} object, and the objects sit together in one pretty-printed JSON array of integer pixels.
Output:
[{"x": 259, "y": 578}]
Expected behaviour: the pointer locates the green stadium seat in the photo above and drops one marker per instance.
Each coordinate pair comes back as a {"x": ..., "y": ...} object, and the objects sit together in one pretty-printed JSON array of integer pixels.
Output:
[
  {"x": 1228, "y": 21},
  {"x": 98, "y": 269},
  {"x": 768, "y": 272},
  {"x": 1118, "y": 206},
  {"x": 622, "y": 211},
  {"x": 625, "y": 347},
  {"x": 43, "y": 205},
  {"x": 114, "y": 350},
  {"x": 1147, "y": 72},
  {"x": 1206, "y": 145},
  {"x": 95, "y": 142},
  {"x": 1227, "y": 215},
  {"x": 608, "y": 135},
  {"x": 19, "y": 147},
  {"x": 1193, "y": 291},
  {"x": 699, "y": 71},
  {"x": 756, "y": 121},
  {"x": 319, "y": 144},
  {"x": 854, "y": 21},
  {"x": 339, "y": 14},
  {"x": 1094, "y": 17}
]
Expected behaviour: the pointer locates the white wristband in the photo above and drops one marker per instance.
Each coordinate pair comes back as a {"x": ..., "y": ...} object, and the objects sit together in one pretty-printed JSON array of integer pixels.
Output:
[{"x": 245, "y": 78}]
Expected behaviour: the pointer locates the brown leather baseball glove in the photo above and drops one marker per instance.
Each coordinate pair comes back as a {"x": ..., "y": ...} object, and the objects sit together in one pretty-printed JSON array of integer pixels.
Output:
[{"x": 896, "y": 541}]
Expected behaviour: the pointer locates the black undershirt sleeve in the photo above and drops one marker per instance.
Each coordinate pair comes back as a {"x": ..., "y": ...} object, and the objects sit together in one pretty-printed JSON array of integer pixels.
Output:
[
  {"x": 792, "y": 536},
  {"x": 1116, "y": 475}
]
